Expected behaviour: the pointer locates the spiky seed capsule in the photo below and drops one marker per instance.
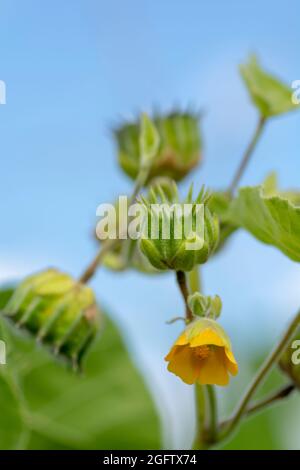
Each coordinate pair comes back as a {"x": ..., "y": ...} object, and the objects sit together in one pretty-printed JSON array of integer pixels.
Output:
[
  {"x": 165, "y": 241},
  {"x": 56, "y": 310},
  {"x": 179, "y": 150}
]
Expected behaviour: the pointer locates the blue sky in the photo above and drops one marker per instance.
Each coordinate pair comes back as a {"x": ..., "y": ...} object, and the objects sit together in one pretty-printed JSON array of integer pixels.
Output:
[{"x": 75, "y": 68}]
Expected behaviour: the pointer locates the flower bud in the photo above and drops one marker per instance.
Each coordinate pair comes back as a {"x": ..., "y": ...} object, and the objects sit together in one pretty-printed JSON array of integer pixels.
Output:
[
  {"x": 177, "y": 235},
  {"x": 205, "y": 306},
  {"x": 179, "y": 149},
  {"x": 56, "y": 310},
  {"x": 289, "y": 362}
]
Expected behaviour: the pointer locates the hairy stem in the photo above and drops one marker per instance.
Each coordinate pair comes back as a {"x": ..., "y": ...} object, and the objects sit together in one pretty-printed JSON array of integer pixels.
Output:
[
  {"x": 182, "y": 284},
  {"x": 247, "y": 155},
  {"x": 259, "y": 378},
  {"x": 271, "y": 399}
]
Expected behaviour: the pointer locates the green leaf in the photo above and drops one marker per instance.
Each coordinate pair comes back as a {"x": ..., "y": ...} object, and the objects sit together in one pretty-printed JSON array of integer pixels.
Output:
[
  {"x": 270, "y": 217},
  {"x": 270, "y": 95},
  {"x": 46, "y": 406},
  {"x": 219, "y": 204},
  {"x": 149, "y": 141},
  {"x": 12, "y": 427}
]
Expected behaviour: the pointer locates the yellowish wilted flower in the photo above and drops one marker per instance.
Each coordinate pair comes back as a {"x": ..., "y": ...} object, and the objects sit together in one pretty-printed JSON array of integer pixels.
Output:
[{"x": 203, "y": 354}]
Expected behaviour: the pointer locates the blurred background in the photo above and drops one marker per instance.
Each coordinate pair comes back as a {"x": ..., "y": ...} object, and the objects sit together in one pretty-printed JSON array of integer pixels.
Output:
[{"x": 75, "y": 69}]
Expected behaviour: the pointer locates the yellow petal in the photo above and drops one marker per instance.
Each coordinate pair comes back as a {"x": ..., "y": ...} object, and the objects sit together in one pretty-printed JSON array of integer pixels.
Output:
[
  {"x": 212, "y": 370},
  {"x": 182, "y": 340},
  {"x": 184, "y": 364},
  {"x": 207, "y": 336},
  {"x": 172, "y": 352},
  {"x": 231, "y": 363}
]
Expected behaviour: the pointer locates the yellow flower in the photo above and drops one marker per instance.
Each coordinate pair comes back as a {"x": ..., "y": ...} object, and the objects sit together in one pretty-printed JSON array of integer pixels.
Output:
[{"x": 202, "y": 354}]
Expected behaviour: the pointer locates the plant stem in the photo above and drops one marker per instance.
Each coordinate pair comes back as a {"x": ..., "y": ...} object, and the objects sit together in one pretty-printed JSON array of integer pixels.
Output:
[
  {"x": 201, "y": 409},
  {"x": 258, "y": 379},
  {"x": 213, "y": 413},
  {"x": 97, "y": 261},
  {"x": 271, "y": 399},
  {"x": 195, "y": 280},
  {"x": 181, "y": 281},
  {"x": 247, "y": 155},
  {"x": 110, "y": 244}
]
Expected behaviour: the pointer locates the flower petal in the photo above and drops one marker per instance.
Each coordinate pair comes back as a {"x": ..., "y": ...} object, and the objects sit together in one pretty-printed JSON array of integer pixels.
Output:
[
  {"x": 207, "y": 336},
  {"x": 183, "y": 363},
  {"x": 231, "y": 363},
  {"x": 171, "y": 354},
  {"x": 182, "y": 340},
  {"x": 212, "y": 370}
]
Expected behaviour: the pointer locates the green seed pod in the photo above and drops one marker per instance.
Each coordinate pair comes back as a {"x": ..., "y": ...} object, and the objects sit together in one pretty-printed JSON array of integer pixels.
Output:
[
  {"x": 56, "y": 310},
  {"x": 176, "y": 235},
  {"x": 179, "y": 150},
  {"x": 289, "y": 362}
]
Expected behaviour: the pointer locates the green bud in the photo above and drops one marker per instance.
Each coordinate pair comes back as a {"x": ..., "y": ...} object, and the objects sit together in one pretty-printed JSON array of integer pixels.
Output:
[
  {"x": 205, "y": 306},
  {"x": 289, "y": 362},
  {"x": 171, "y": 240},
  {"x": 179, "y": 149},
  {"x": 56, "y": 310}
]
